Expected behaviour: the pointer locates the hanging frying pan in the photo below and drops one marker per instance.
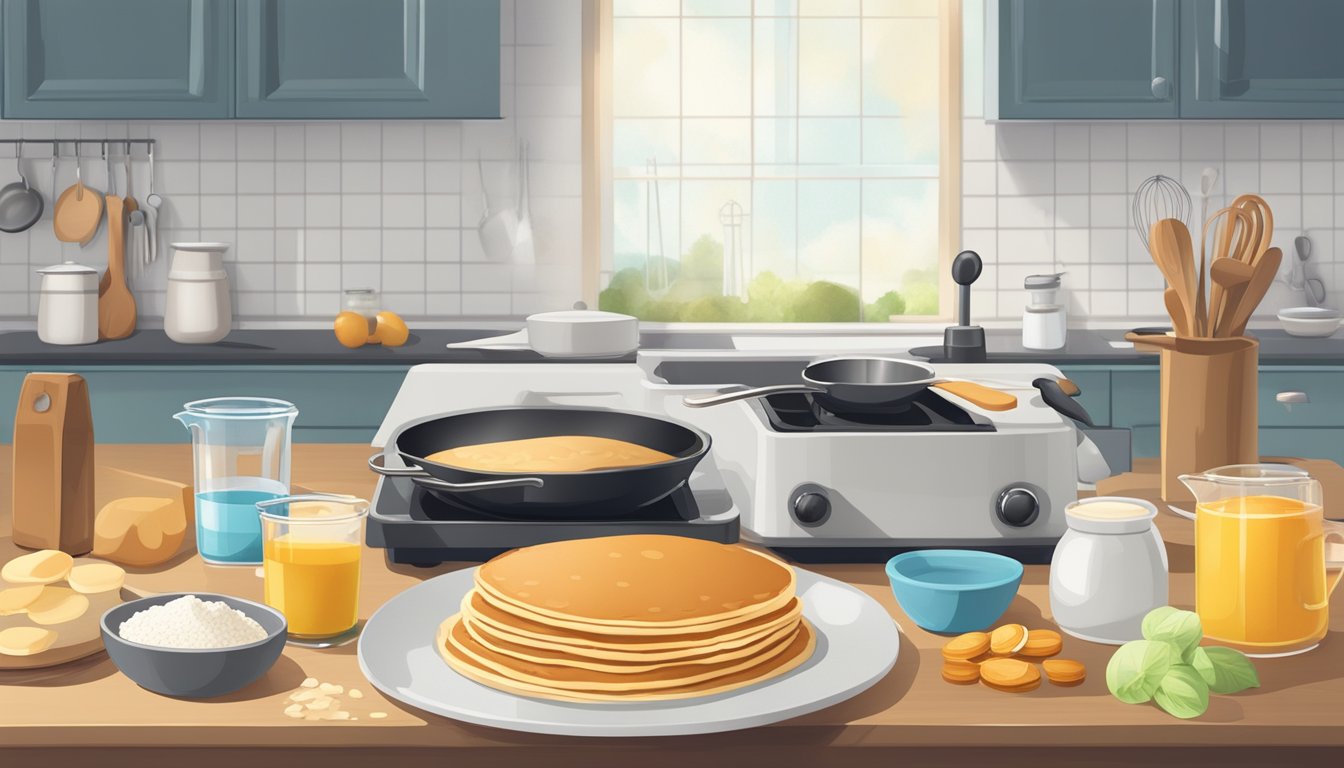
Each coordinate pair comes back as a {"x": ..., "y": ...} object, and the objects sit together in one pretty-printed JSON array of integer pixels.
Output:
[{"x": 857, "y": 384}]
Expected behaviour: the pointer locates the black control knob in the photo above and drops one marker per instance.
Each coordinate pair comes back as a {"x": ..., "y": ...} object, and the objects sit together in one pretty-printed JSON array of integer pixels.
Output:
[
  {"x": 811, "y": 507},
  {"x": 1018, "y": 507}
]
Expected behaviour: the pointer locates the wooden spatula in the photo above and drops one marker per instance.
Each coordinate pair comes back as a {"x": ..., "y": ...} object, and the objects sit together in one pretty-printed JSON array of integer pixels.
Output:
[
  {"x": 116, "y": 306},
  {"x": 1265, "y": 271},
  {"x": 1174, "y": 254},
  {"x": 1230, "y": 225},
  {"x": 1231, "y": 276}
]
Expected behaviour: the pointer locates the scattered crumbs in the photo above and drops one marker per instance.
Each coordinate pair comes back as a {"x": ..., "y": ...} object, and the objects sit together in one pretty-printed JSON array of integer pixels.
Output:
[{"x": 315, "y": 700}]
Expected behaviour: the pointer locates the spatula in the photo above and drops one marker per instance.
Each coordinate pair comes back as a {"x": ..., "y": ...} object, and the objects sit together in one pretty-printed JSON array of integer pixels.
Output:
[
  {"x": 1232, "y": 277},
  {"x": 1265, "y": 271},
  {"x": 116, "y": 306},
  {"x": 1231, "y": 224},
  {"x": 1262, "y": 229},
  {"x": 1173, "y": 253}
]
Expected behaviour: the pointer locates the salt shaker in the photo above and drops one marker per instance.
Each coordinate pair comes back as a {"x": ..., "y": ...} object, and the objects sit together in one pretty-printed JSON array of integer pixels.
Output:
[{"x": 1109, "y": 569}]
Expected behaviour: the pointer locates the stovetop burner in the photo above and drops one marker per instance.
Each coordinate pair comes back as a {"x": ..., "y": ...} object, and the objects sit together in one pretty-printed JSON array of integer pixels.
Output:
[
  {"x": 417, "y": 527},
  {"x": 925, "y": 412}
]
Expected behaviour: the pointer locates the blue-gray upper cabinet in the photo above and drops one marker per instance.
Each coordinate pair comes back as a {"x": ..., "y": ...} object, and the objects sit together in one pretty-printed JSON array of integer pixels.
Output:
[
  {"x": 1086, "y": 59},
  {"x": 1262, "y": 59},
  {"x": 307, "y": 59},
  {"x": 118, "y": 59}
]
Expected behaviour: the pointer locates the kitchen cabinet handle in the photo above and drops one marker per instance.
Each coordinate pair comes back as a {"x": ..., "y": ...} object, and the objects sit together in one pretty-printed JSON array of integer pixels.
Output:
[
  {"x": 1292, "y": 398},
  {"x": 1161, "y": 88}
]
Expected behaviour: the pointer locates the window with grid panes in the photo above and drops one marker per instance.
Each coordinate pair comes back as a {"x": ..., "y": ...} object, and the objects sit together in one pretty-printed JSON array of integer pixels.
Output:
[{"x": 775, "y": 160}]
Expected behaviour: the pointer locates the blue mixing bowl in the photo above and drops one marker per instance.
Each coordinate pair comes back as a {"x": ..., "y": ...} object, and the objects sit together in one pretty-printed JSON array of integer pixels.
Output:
[{"x": 954, "y": 590}]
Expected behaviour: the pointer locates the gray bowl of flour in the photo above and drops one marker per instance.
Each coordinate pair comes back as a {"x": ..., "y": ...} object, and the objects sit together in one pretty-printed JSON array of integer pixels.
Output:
[{"x": 194, "y": 672}]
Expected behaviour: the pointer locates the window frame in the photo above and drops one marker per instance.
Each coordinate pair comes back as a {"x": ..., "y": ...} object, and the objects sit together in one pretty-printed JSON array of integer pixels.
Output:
[{"x": 597, "y": 169}]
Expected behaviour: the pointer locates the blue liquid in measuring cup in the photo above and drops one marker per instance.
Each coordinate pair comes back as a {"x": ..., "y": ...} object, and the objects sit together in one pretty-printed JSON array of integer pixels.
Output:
[{"x": 228, "y": 525}]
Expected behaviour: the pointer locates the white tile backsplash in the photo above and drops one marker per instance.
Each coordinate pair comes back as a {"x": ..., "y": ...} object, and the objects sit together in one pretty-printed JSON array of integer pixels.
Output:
[
  {"x": 1057, "y": 197},
  {"x": 314, "y": 208}
]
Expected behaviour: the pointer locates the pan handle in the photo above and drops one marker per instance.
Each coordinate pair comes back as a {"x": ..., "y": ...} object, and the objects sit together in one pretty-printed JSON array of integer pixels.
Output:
[
  {"x": 376, "y": 464},
  {"x": 745, "y": 394}
]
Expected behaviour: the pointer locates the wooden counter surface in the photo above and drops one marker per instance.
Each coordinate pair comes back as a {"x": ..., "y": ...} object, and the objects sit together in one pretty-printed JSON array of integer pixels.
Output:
[{"x": 87, "y": 710}]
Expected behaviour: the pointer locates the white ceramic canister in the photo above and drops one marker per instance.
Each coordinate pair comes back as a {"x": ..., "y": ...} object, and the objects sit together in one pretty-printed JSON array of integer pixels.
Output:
[
  {"x": 67, "y": 308},
  {"x": 198, "y": 310},
  {"x": 1109, "y": 569}
]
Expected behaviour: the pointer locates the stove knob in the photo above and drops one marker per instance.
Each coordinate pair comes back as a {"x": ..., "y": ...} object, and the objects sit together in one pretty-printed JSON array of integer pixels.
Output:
[
  {"x": 1018, "y": 507},
  {"x": 811, "y": 507}
]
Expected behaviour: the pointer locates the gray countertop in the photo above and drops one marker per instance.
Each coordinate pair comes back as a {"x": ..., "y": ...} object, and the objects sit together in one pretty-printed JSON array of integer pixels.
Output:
[{"x": 318, "y": 347}]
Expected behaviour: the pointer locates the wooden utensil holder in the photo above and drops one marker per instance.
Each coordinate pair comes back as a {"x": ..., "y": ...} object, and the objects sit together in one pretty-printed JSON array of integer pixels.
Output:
[{"x": 1210, "y": 408}]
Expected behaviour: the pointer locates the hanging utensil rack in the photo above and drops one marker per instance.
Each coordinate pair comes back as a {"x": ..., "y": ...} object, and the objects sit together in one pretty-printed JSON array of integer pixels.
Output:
[{"x": 107, "y": 144}]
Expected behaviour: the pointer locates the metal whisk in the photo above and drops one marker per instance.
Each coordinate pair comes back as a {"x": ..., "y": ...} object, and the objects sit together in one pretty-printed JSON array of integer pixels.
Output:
[{"x": 1160, "y": 197}]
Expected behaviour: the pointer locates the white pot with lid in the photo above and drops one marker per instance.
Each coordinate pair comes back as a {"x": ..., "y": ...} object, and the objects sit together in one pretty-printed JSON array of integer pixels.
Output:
[
  {"x": 67, "y": 308},
  {"x": 198, "y": 309}
]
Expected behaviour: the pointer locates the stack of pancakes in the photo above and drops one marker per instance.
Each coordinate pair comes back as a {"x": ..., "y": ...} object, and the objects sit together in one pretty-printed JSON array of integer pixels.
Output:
[{"x": 628, "y": 618}]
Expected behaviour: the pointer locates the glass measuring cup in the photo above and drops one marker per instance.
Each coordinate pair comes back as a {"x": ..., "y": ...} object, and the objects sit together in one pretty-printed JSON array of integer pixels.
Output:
[
  {"x": 312, "y": 548},
  {"x": 1260, "y": 557},
  {"x": 240, "y": 450}
]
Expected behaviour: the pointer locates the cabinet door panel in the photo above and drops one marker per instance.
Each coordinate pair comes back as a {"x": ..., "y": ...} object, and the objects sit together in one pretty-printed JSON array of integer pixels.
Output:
[
  {"x": 1262, "y": 58},
  {"x": 1087, "y": 59},
  {"x": 128, "y": 59},
  {"x": 368, "y": 58}
]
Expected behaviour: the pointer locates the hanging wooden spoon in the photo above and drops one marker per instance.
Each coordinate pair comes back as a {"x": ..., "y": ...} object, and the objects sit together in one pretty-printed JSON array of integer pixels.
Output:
[
  {"x": 116, "y": 307},
  {"x": 77, "y": 212}
]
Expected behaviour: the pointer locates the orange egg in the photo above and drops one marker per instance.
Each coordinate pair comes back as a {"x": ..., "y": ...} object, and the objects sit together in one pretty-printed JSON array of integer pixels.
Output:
[
  {"x": 352, "y": 329},
  {"x": 392, "y": 330}
]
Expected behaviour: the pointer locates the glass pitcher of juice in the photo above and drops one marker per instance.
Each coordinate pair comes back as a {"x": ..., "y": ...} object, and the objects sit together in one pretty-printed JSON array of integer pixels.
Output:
[
  {"x": 240, "y": 451},
  {"x": 313, "y": 544},
  {"x": 1260, "y": 558}
]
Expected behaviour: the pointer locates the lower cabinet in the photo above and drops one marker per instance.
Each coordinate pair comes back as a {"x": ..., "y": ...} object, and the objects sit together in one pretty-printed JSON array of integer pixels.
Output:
[
  {"x": 135, "y": 404},
  {"x": 1131, "y": 398}
]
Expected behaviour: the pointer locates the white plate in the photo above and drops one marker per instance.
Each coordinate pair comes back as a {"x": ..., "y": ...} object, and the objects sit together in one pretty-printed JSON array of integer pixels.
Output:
[{"x": 857, "y": 642}]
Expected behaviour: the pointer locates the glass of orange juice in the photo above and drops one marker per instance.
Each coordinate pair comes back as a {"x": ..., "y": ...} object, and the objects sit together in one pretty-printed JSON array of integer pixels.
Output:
[
  {"x": 311, "y": 546},
  {"x": 1262, "y": 576}
]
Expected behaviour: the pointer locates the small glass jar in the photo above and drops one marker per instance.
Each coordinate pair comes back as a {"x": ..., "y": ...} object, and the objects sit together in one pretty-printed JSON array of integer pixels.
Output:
[
  {"x": 1109, "y": 569},
  {"x": 364, "y": 301}
]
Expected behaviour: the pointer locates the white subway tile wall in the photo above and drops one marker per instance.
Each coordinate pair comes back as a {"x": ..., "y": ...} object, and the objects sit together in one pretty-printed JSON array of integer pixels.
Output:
[
  {"x": 314, "y": 208},
  {"x": 1051, "y": 197}
]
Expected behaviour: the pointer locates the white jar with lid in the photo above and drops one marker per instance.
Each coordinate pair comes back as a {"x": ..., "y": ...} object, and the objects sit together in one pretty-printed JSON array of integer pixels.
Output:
[
  {"x": 1109, "y": 569},
  {"x": 67, "y": 304},
  {"x": 198, "y": 309},
  {"x": 1045, "y": 324}
]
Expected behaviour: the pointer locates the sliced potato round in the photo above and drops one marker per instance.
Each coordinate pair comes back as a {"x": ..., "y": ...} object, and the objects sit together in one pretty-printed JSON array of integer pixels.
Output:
[
  {"x": 42, "y": 567},
  {"x": 57, "y": 605},
  {"x": 17, "y": 599},
  {"x": 25, "y": 641},
  {"x": 92, "y": 578}
]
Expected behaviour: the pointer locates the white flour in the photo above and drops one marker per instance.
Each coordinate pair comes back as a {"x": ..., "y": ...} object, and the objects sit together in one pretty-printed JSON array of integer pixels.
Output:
[{"x": 189, "y": 622}]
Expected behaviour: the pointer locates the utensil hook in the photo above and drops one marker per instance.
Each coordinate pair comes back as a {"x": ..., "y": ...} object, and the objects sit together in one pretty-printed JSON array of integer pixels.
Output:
[
  {"x": 128, "y": 169},
  {"x": 79, "y": 175},
  {"x": 18, "y": 165},
  {"x": 55, "y": 157}
]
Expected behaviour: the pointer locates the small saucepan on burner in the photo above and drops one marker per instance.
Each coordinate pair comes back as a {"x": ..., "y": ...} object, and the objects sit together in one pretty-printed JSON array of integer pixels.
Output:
[
  {"x": 858, "y": 384},
  {"x": 546, "y": 495}
]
